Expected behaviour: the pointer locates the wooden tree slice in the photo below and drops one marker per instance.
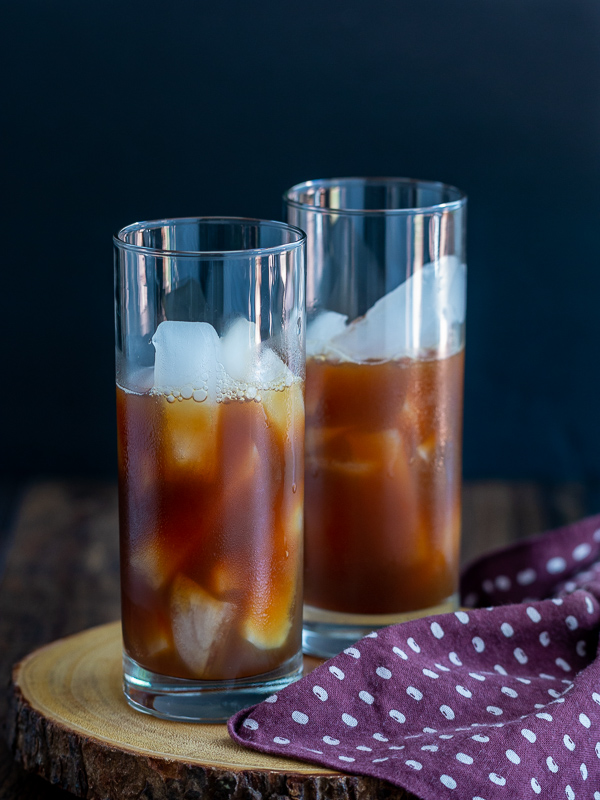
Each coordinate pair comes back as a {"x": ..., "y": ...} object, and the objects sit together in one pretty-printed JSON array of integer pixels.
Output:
[{"x": 70, "y": 723}]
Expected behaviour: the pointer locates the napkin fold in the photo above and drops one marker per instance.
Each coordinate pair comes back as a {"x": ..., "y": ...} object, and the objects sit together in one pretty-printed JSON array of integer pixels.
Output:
[{"x": 482, "y": 704}]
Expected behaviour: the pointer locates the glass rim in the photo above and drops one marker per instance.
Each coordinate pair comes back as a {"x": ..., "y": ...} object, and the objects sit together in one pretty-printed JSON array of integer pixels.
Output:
[
  {"x": 451, "y": 205},
  {"x": 120, "y": 243}
]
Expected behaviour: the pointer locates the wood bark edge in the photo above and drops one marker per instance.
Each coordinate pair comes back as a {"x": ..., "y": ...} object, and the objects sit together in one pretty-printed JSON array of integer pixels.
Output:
[{"x": 91, "y": 768}]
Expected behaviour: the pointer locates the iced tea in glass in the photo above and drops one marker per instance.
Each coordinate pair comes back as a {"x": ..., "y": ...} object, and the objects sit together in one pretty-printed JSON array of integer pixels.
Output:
[
  {"x": 210, "y": 412},
  {"x": 384, "y": 388}
]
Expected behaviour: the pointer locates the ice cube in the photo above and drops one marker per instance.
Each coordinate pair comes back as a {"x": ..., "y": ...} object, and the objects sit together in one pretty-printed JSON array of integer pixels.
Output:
[
  {"x": 156, "y": 643},
  {"x": 269, "y": 369},
  {"x": 285, "y": 411},
  {"x": 420, "y": 314},
  {"x": 357, "y": 453},
  {"x": 145, "y": 564},
  {"x": 187, "y": 358},
  {"x": 321, "y": 330},
  {"x": 385, "y": 447},
  {"x": 248, "y": 360},
  {"x": 190, "y": 440},
  {"x": 238, "y": 349},
  {"x": 270, "y": 617},
  {"x": 136, "y": 381},
  {"x": 225, "y": 578},
  {"x": 456, "y": 301},
  {"x": 426, "y": 449},
  {"x": 200, "y": 623},
  {"x": 294, "y": 520}
]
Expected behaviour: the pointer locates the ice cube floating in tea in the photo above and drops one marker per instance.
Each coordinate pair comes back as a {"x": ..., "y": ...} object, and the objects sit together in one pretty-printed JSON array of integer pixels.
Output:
[{"x": 211, "y": 505}]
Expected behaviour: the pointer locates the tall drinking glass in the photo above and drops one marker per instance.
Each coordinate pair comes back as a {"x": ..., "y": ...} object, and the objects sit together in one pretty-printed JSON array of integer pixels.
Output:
[
  {"x": 210, "y": 409},
  {"x": 384, "y": 386}
]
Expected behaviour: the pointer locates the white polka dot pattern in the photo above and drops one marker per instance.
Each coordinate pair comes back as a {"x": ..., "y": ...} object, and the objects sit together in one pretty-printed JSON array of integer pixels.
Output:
[
  {"x": 319, "y": 692},
  {"x": 479, "y": 704},
  {"x": 397, "y": 715},
  {"x": 556, "y": 564},
  {"x": 526, "y": 577}
]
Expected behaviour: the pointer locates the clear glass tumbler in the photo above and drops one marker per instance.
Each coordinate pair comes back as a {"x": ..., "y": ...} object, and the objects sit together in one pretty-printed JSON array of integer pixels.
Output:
[
  {"x": 210, "y": 410},
  {"x": 384, "y": 386}
]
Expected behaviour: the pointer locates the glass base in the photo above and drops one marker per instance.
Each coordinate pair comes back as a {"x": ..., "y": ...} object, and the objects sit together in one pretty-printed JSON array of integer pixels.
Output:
[
  {"x": 327, "y": 633},
  {"x": 201, "y": 701}
]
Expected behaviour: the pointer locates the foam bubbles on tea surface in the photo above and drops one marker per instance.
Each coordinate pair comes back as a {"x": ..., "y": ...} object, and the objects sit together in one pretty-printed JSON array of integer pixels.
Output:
[
  {"x": 192, "y": 362},
  {"x": 249, "y": 361},
  {"x": 422, "y": 314}
]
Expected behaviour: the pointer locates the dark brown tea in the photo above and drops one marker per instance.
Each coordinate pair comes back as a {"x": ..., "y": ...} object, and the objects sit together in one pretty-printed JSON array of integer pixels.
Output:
[
  {"x": 383, "y": 480},
  {"x": 211, "y": 497}
]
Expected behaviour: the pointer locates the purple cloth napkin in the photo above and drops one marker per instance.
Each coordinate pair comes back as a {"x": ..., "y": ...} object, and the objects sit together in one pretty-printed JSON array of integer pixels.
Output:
[{"x": 502, "y": 702}]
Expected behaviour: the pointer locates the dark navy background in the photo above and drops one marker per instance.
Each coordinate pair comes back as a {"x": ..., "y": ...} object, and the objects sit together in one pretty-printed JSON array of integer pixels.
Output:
[{"x": 123, "y": 111}]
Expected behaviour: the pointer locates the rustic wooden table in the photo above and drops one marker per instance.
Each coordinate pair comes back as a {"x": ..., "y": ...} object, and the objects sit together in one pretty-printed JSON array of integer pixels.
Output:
[{"x": 59, "y": 566}]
